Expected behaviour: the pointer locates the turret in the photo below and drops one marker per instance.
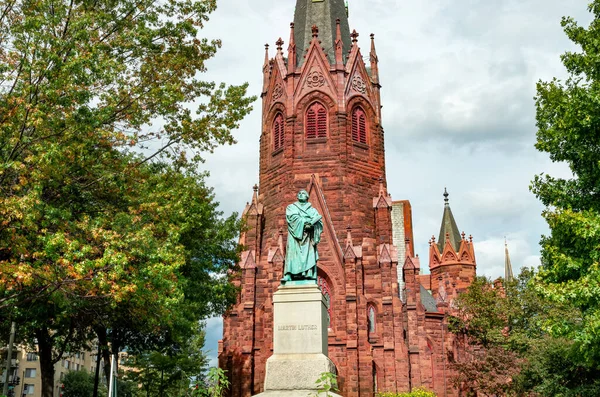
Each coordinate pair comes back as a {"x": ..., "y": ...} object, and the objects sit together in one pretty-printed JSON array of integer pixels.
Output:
[{"x": 451, "y": 260}]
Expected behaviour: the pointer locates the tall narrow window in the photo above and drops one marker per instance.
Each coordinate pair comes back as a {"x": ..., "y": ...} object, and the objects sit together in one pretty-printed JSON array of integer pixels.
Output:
[
  {"x": 316, "y": 121},
  {"x": 278, "y": 132},
  {"x": 371, "y": 319},
  {"x": 359, "y": 125}
]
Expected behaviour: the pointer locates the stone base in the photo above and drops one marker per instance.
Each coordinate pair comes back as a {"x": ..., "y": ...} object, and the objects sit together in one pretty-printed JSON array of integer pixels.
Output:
[
  {"x": 296, "y": 371},
  {"x": 294, "y": 393}
]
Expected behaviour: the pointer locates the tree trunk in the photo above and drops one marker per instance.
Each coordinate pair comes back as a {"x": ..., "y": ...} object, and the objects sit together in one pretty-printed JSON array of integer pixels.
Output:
[
  {"x": 97, "y": 373},
  {"x": 103, "y": 349},
  {"x": 45, "y": 346}
]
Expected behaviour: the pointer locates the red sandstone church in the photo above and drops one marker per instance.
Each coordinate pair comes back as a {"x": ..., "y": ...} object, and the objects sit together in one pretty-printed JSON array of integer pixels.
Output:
[{"x": 322, "y": 131}]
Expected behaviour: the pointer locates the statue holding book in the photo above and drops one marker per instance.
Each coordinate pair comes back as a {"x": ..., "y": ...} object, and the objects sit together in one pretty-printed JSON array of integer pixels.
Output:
[{"x": 305, "y": 226}]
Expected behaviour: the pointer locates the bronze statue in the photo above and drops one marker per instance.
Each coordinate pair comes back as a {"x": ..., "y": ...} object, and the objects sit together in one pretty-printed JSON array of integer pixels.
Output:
[{"x": 305, "y": 226}]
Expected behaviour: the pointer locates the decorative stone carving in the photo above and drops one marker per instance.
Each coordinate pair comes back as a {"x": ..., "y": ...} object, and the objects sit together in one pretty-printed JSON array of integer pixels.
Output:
[
  {"x": 277, "y": 91},
  {"x": 315, "y": 79},
  {"x": 358, "y": 85}
]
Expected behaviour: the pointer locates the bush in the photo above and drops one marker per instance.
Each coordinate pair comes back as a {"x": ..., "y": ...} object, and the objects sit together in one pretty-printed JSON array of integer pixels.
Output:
[{"x": 418, "y": 392}]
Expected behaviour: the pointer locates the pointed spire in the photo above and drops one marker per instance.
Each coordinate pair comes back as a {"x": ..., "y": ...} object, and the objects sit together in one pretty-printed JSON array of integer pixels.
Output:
[
  {"x": 266, "y": 71},
  {"x": 280, "y": 240},
  {"x": 323, "y": 14},
  {"x": 292, "y": 51},
  {"x": 348, "y": 236},
  {"x": 255, "y": 195},
  {"x": 448, "y": 228},
  {"x": 339, "y": 45},
  {"x": 407, "y": 246},
  {"x": 374, "y": 61},
  {"x": 508, "y": 273}
]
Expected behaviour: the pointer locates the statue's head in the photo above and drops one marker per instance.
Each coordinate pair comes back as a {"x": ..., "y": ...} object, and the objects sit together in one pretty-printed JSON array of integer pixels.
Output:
[{"x": 303, "y": 196}]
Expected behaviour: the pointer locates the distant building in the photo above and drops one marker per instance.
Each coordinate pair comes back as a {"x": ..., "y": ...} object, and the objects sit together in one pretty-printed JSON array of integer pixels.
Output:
[
  {"x": 322, "y": 131},
  {"x": 26, "y": 367}
]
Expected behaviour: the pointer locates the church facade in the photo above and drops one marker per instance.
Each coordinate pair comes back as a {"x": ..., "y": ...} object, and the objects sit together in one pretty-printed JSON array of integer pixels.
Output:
[{"x": 322, "y": 132}]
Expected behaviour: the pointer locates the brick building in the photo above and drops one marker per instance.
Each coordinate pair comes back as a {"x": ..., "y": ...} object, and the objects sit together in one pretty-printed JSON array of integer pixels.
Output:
[{"x": 321, "y": 131}]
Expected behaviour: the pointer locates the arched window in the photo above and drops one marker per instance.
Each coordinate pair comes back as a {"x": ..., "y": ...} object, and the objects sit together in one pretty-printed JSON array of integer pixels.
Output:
[
  {"x": 327, "y": 293},
  {"x": 359, "y": 125},
  {"x": 371, "y": 319},
  {"x": 278, "y": 132},
  {"x": 316, "y": 121}
]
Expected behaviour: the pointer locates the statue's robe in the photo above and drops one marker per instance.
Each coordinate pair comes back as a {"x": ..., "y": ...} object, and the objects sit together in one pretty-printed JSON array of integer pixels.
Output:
[{"x": 301, "y": 254}]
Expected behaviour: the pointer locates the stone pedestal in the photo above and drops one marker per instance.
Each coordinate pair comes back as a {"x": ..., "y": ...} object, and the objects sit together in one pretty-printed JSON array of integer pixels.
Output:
[{"x": 299, "y": 342}]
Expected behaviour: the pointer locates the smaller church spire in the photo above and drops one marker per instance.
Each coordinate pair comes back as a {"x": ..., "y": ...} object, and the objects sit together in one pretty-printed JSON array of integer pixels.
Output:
[
  {"x": 508, "y": 273},
  {"x": 448, "y": 229}
]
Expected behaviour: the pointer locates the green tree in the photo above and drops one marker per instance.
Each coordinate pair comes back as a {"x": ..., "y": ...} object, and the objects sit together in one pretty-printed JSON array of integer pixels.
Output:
[
  {"x": 92, "y": 96},
  {"x": 78, "y": 384},
  {"x": 568, "y": 122},
  {"x": 510, "y": 350},
  {"x": 171, "y": 370}
]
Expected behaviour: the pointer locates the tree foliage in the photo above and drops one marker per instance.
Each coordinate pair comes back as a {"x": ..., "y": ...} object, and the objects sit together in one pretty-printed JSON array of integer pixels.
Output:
[
  {"x": 510, "y": 351},
  {"x": 568, "y": 121},
  {"x": 102, "y": 214}
]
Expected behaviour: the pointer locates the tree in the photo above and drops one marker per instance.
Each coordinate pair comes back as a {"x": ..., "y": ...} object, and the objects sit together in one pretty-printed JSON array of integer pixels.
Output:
[
  {"x": 568, "y": 122},
  {"x": 93, "y": 96},
  {"x": 78, "y": 384},
  {"x": 511, "y": 351},
  {"x": 171, "y": 370}
]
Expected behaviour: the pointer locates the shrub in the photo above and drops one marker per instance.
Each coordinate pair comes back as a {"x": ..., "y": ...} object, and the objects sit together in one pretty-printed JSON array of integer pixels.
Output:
[{"x": 418, "y": 392}]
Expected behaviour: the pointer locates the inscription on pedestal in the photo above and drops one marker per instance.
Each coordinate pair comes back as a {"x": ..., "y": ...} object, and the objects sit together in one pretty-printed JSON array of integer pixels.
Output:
[{"x": 299, "y": 327}]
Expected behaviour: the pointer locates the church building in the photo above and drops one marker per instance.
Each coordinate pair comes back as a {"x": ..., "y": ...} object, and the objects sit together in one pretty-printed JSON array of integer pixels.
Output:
[{"x": 322, "y": 132}]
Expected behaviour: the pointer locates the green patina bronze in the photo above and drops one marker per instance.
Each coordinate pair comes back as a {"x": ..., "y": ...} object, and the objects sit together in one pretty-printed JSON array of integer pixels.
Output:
[{"x": 304, "y": 233}]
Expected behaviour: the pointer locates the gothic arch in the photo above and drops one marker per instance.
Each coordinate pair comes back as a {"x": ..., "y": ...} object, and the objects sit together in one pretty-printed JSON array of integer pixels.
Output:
[
  {"x": 367, "y": 107},
  {"x": 278, "y": 131},
  {"x": 316, "y": 121},
  {"x": 359, "y": 125}
]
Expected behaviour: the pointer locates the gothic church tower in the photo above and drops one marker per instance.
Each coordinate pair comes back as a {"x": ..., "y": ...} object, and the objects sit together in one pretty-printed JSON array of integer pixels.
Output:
[{"x": 321, "y": 131}]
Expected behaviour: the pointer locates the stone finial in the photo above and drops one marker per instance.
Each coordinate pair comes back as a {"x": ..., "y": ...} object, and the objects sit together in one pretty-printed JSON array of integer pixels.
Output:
[
  {"x": 279, "y": 44},
  {"x": 255, "y": 195},
  {"x": 470, "y": 238},
  {"x": 463, "y": 235},
  {"x": 315, "y": 31},
  {"x": 446, "y": 201},
  {"x": 354, "y": 36}
]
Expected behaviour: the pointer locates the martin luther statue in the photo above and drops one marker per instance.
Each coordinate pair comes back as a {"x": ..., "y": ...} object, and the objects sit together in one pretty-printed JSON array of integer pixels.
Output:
[{"x": 304, "y": 233}]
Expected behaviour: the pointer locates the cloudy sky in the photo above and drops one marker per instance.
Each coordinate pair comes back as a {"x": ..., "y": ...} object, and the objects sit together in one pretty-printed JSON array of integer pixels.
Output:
[{"x": 458, "y": 81}]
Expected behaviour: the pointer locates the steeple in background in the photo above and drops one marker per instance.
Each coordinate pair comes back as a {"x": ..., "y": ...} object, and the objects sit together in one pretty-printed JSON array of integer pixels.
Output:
[
  {"x": 448, "y": 227},
  {"x": 508, "y": 273},
  {"x": 323, "y": 14}
]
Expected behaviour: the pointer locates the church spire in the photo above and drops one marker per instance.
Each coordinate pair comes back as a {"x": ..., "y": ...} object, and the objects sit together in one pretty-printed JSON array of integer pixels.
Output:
[
  {"x": 324, "y": 14},
  {"x": 508, "y": 273},
  {"x": 448, "y": 229}
]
